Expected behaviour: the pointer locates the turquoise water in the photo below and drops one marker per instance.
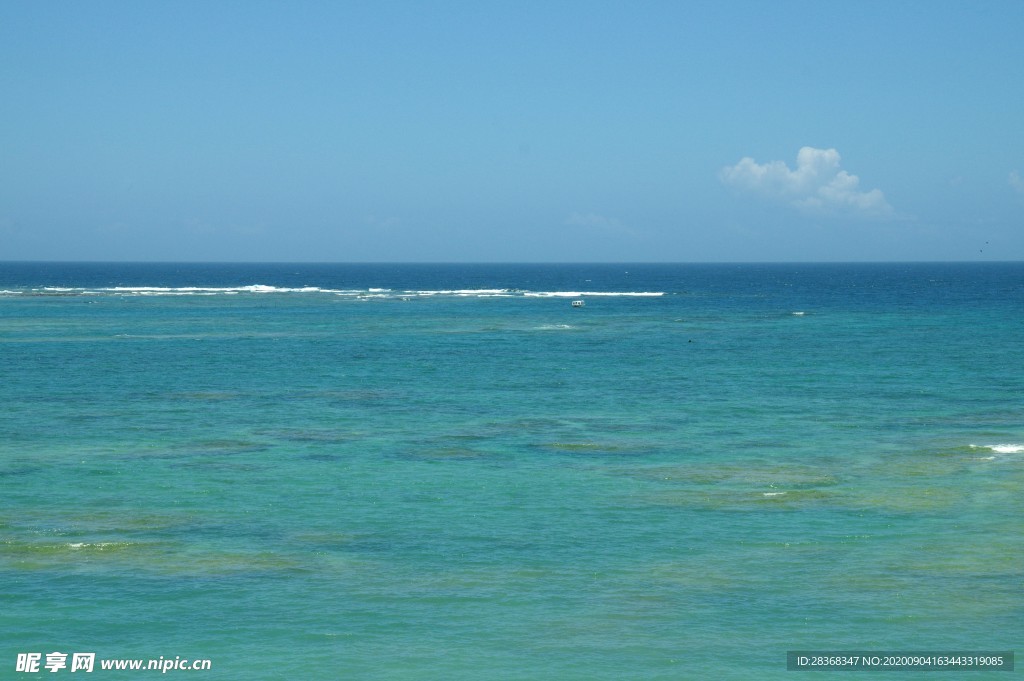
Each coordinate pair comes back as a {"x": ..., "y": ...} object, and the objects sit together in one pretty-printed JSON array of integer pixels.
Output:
[{"x": 448, "y": 472}]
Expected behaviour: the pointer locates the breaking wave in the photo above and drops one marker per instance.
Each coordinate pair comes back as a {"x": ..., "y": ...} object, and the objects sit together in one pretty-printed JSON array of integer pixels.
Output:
[{"x": 367, "y": 293}]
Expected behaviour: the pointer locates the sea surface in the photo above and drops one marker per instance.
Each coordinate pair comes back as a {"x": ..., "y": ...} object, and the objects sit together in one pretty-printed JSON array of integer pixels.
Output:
[{"x": 449, "y": 472}]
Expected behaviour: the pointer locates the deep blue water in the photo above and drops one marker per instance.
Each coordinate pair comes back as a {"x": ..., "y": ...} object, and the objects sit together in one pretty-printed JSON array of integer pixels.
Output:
[{"x": 449, "y": 472}]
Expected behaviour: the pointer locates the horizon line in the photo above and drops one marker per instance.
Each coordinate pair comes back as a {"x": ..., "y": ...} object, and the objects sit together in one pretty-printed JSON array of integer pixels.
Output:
[{"x": 507, "y": 262}]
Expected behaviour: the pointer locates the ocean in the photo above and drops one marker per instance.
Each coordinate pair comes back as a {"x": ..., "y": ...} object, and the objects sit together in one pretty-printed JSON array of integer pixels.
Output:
[{"x": 450, "y": 472}]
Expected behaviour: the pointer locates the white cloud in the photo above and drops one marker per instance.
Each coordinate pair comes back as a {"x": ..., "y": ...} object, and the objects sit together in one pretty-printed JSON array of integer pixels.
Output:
[
  {"x": 600, "y": 224},
  {"x": 1017, "y": 182},
  {"x": 817, "y": 185},
  {"x": 593, "y": 220}
]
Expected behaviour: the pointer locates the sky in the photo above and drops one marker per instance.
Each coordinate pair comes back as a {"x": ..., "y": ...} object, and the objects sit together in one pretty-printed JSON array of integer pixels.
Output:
[{"x": 492, "y": 131}]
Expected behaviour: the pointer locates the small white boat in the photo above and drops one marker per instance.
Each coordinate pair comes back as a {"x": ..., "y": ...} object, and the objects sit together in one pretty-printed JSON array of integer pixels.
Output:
[{"x": 578, "y": 303}]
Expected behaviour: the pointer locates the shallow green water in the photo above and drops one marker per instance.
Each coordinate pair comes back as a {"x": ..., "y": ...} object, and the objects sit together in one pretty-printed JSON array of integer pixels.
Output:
[{"x": 437, "y": 481}]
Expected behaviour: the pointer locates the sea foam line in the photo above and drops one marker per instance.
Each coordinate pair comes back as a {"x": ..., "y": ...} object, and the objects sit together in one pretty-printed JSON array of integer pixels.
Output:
[
  {"x": 580, "y": 294},
  {"x": 1002, "y": 449},
  {"x": 371, "y": 292},
  {"x": 254, "y": 288}
]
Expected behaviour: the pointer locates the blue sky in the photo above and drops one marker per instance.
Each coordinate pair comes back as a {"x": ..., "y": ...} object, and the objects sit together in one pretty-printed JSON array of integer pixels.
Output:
[{"x": 511, "y": 131}]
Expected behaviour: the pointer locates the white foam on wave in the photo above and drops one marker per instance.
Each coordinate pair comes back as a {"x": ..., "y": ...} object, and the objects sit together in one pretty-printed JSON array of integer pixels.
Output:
[
  {"x": 203, "y": 290},
  {"x": 998, "y": 450},
  {"x": 461, "y": 292},
  {"x": 579, "y": 294},
  {"x": 179, "y": 290},
  {"x": 1002, "y": 449},
  {"x": 371, "y": 292},
  {"x": 96, "y": 545}
]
